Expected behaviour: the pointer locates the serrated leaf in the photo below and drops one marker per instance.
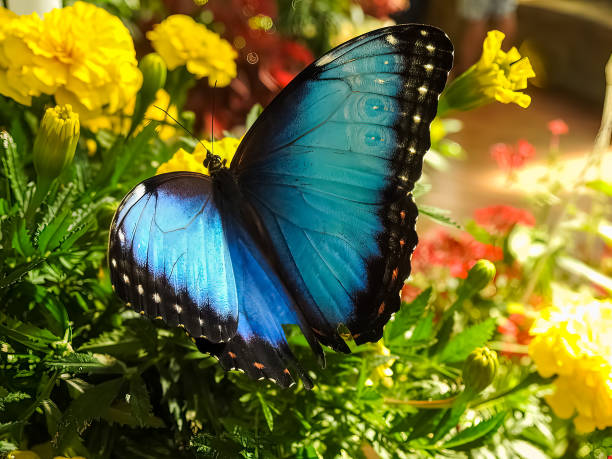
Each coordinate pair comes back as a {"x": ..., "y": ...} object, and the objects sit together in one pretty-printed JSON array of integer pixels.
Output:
[
  {"x": 77, "y": 362},
  {"x": 423, "y": 332},
  {"x": 84, "y": 409},
  {"x": 476, "y": 432},
  {"x": 460, "y": 345},
  {"x": 139, "y": 401},
  {"x": 440, "y": 216},
  {"x": 27, "y": 334},
  {"x": 406, "y": 317},
  {"x": 10, "y": 397},
  {"x": 18, "y": 273},
  {"x": 266, "y": 412},
  {"x": 13, "y": 168}
]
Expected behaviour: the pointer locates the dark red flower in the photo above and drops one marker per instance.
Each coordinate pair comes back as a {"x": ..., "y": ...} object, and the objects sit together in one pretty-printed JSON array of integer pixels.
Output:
[
  {"x": 501, "y": 219},
  {"x": 515, "y": 331},
  {"x": 510, "y": 157},
  {"x": 558, "y": 127},
  {"x": 458, "y": 253}
]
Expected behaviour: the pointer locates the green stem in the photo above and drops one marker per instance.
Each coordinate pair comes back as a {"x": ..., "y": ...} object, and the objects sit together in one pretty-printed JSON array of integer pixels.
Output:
[{"x": 44, "y": 395}]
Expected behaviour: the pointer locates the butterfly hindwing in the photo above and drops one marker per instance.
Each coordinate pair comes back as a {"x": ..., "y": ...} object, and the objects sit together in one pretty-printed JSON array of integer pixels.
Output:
[
  {"x": 329, "y": 167},
  {"x": 179, "y": 250},
  {"x": 169, "y": 258}
]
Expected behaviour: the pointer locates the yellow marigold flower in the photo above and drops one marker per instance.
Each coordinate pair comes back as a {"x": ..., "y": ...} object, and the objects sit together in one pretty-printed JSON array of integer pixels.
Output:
[
  {"x": 498, "y": 75},
  {"x": 572, "y": 340},
  {"x": 183, "y": 161},
  {"x": 119, "y": 123},
  {"x": 179, "y": 40},
  {"x": 80, "y": 54},
  {"x": 167, "y": 128}
]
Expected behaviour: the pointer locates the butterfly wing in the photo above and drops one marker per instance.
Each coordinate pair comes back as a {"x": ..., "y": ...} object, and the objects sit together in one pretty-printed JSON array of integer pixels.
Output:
[
  {"x": 329, "y": 167},
  {"x": 169, "y": 257},
  {"x": 179, "y": 251},
  {"x": 259, "y": 347}
]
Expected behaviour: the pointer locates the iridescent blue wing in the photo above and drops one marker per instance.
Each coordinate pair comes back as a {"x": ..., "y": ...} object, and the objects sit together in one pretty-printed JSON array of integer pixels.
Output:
[
  {"x": 169, "y": 257},
  {"x": 179, "y": 251},
  {"x": 329, "y": 167},
  {"x": 259, "y": 347}
]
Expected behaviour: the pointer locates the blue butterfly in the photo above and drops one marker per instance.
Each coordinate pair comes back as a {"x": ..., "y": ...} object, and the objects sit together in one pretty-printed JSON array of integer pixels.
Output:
[{"x": 313, "y": 223}]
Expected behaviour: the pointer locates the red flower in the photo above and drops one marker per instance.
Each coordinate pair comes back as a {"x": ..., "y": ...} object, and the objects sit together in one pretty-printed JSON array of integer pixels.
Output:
[
  {"x": 515, "y": 330},
  {"x": 501, "y": 219},
  {"x": 509, "y": 157},
  {"x": 459, "y": 253},
  {"x": 409, "y": 293},
  {"x": 558, "y": 127}
]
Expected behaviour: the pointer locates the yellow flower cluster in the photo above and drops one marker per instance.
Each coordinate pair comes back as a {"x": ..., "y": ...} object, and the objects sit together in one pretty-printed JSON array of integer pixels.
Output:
[
  {"x": 503, "y": 73},
  {"x": 80, "y": 54},
  {"x": 183, "y": 161},
  {"x": 496, "y": 76},
  {"x": 119, "y": 123},
  {"x": 179, "y": 40},
  {"x": 573, "y": 341}
]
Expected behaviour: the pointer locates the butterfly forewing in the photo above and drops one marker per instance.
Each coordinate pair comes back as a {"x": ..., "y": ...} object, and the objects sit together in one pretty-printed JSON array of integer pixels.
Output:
[{"x": 330, "y": 166}]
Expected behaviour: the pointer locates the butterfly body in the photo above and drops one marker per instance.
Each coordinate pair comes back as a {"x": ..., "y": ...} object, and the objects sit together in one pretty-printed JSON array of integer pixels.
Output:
[{"x": 312, "y": 223}]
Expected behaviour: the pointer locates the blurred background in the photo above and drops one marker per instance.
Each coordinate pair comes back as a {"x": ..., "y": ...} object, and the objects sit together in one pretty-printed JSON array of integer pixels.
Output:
[{"x": 567, "y": 41}]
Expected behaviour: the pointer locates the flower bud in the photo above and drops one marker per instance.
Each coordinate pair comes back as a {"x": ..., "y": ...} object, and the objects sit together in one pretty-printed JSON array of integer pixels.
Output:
[
  {"x": 479, "y": 369},
  {"x": 55, "y": 142},
  {"x": 480, "y": 275},
  {"x": 154, "y": 73}
]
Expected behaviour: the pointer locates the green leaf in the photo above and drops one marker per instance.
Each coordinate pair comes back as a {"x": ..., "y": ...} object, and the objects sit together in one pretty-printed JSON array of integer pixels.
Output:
[
  {"x": 18, "y": 273},
  {"x": 84, "y": 409},
  {"x": 460, "y": 346},
  {"x": 10, "y": 397},
  {"x": 77, "y": 362},
  {"x": 139, "y": 401},
  {"x": 601, "y": 185},
  {"x": 13, "y": 168},
  {"x": 253, "y": 114},
  {"x": 438, "y": 215},
  {"x": 29, "y": 335},
  {"x": 266, "y": 412},
  {"x": 406, "y": 317},
  {"x": 476, "y": 432}
]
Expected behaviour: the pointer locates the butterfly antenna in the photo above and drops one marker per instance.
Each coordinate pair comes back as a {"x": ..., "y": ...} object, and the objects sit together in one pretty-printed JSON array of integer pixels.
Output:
[
  {"x": 212, "y": 121},
  {"x": 184, "y": 128}
]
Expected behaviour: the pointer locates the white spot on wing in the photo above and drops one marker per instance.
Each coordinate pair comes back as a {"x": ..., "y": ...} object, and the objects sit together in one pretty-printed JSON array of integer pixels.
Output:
[
  {"x": 140, "y": 289},
  {"x": 126, "y": 279},
  {"x": 424, "y": 33},
  {"x": 417, "y": 119},
  {"x": 428, "y": 67},
  {"x": 178, "y": 310},
  {"x": 423, "y": 90},
  {"x": 114, "y": 263},
  {"x": 121, "y": 236},
  {"x": 430, "y": 48},
  {"x": 156, "y": 297},
  {"x": 392, "y": 40}
]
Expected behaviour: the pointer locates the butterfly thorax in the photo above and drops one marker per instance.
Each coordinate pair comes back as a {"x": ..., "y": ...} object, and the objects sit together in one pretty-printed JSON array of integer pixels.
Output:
[{"x": 213, "y": 163}]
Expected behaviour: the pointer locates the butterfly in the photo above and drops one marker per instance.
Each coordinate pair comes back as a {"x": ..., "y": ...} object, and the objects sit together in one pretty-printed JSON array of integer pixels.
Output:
[{"x": 312, "y": 223}]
